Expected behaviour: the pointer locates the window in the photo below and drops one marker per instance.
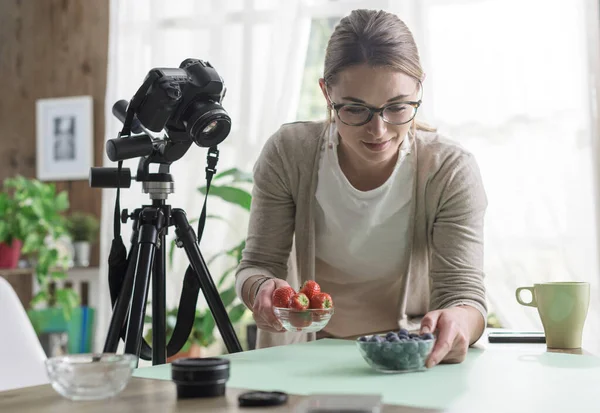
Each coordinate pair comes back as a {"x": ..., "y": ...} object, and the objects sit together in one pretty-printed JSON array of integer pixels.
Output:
[{"x": 312, "y": 105}]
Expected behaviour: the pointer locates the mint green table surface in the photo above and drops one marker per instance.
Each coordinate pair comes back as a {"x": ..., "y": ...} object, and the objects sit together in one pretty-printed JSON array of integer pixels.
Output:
[{"x": 490, "y": 380}]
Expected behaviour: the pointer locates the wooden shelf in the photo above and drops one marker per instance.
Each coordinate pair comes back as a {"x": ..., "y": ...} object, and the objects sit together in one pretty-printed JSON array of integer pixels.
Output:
[
  {"x": 4, "y": 272},
  {"x": 21, "y": 279}
]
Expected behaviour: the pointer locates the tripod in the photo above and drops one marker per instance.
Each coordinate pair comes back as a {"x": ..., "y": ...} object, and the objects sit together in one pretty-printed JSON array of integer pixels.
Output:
[{"x": 146, "y": 261}]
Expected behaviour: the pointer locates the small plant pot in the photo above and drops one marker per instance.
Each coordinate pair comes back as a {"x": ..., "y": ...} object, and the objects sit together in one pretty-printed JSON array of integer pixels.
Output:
[
  {"x": 10, "y": 254},
  {"x": 82, "y": 253}
]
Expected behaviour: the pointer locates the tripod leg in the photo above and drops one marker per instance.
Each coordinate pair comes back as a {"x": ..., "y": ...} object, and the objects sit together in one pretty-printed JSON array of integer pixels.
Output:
[
  {"x": 159, "y": 300},
  {"x": 147, "y": 246},
  {"x": 185, "y": 233}
]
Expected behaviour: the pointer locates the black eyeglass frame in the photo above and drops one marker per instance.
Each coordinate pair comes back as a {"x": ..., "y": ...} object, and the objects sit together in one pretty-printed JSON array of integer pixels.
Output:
[{"x": 372, "y": 110}]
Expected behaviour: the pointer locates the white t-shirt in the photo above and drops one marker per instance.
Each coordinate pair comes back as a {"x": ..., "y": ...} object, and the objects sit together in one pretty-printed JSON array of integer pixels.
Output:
[{"x": 361, "y": 240}]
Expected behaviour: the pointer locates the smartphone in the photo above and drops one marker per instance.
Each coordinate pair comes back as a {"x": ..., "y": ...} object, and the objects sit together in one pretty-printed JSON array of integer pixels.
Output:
[{"x": 517, "y": 337}]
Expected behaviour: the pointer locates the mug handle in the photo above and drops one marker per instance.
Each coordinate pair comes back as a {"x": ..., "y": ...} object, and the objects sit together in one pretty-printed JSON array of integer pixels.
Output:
[{"x": 532, "y": 303}]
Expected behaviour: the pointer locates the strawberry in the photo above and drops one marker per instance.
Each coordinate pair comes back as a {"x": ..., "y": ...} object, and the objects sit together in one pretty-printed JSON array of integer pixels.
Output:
[
  {"x": 321, "y": 301},
  {"x": 300, "y": 319},
  {"x": 299, "y": 302},
  {"x": 310, "y": 288},
  {"x": 282, "y": 296}
]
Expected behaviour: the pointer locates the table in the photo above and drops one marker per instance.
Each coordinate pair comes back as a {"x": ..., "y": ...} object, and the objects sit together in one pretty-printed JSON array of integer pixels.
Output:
[{"x": 497, "y": 378}]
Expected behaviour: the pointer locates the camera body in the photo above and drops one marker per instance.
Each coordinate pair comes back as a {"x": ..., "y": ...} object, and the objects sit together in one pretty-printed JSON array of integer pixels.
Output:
[{"x": 186, "y": 102}]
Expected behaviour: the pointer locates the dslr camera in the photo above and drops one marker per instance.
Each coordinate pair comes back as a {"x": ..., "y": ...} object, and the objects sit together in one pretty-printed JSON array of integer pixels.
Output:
[{"x": 186, "y": 100}]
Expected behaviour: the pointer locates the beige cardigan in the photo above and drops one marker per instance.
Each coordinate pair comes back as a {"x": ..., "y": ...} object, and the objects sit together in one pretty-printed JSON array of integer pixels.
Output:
[{"x": 449, "y": 202}]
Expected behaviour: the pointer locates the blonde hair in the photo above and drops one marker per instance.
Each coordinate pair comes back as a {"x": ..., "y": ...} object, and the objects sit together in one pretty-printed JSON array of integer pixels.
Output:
[{"x": 377, "y": 38}]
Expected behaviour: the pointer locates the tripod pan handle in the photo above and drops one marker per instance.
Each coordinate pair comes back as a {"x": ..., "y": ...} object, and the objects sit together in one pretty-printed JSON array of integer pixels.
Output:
[{"x": 101, "y": 177}]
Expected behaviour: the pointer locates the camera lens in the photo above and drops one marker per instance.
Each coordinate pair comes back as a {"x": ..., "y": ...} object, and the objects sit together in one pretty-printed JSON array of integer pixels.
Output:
[{"x": 208, "y": 123}]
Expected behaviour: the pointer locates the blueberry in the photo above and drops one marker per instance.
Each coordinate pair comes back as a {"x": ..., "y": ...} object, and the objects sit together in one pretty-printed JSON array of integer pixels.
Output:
[
  {"x": 363, "y": 339},
  {"x": 401, "y": 362},
  {"x": 376, "y": 339},
  {"x": 371, "y": 351},
  {"x": 425, "y": 347},
  {"x": 413, "y": 335},
  {"x": 398, "y": 349},
  {"x": 403, "y": 332},
  {"x": 389, "y": 336},
  {"x": 427, "y": 336},
  {"x": 411, "y": 347},
  {"x": 394, "y": 339},
  {"x": 386, "y": 347}
]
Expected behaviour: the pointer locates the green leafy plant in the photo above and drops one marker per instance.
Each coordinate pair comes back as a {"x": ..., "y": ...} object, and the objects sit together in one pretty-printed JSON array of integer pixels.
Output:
[
  {"x": 231, "y": 186},
  {"x": 83, "y": 227},
  {"x": 202, "y": 330},
  {"x": 32, "y": 212}
]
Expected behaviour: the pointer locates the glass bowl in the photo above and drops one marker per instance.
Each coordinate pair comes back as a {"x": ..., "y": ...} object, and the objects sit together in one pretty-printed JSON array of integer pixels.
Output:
[
  {"x": 403, "y": 353},
  {"x": 308, "y": 321},
  {"x": 90, "y": 376}
]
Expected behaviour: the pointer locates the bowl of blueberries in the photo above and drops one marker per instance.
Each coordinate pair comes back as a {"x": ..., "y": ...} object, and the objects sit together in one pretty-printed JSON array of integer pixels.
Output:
[{"x": 396, "y": 352}]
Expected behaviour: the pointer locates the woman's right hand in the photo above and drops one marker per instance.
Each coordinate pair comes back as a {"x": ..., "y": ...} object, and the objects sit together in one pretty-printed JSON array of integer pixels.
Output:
[{"x": 262, "y": 310}]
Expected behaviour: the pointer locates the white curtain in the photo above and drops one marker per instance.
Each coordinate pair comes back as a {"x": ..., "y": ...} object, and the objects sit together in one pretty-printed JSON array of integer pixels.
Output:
[
  {"x": 258, "y": 47},
  {"x": 520, "y": 100}
]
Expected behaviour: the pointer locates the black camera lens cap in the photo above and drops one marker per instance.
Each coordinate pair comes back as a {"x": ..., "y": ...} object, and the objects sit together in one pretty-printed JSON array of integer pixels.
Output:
[{"x": 262, "y": 398}]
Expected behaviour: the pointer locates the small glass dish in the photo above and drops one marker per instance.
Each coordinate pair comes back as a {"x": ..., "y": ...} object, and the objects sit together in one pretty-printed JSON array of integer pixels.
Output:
[
  {"x": 90, "y": 376},
  {"x": 308, "y": 321},
  {"x": 403, "y": 354}
]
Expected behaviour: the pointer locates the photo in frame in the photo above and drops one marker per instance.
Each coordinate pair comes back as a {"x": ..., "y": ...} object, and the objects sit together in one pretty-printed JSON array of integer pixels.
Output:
[{"x": 64, "y": 138}]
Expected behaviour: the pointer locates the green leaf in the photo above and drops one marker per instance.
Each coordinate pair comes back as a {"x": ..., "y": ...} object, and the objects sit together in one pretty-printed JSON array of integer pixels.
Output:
[
  {"x": 237, "y": 312},
  {"x": 4, "y": 231},
  {"x": 62, "y": 201},
  {"x": 228, "y": 296},
  {"x": 208, "y": 327},
  {"x": 40, "y": 297},
  {"x": 58, "y": 275},
  {"x": 230, "y": 194},
  {"x": 214, "y": 257},
  {"x": 225, "y": 276},
  {"x": 236, "y": 252},
  {"x": 172, "y": 252},
  {"x": 236, "y": 174}
]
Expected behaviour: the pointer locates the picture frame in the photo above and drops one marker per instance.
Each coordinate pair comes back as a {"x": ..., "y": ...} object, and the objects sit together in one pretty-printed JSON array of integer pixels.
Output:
[{"x": 64, "y": 138}]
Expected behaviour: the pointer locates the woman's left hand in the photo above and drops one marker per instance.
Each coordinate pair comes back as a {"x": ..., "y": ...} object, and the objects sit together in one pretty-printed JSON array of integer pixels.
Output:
[{"x": 456, "y": 329}]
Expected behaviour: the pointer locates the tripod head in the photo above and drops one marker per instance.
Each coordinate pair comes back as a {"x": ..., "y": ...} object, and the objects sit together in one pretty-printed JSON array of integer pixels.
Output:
[{"x": 184, "y": 104}]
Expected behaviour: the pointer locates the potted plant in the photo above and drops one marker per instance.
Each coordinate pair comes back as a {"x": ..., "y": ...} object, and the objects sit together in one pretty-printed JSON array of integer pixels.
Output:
[
  {"x": 32, "y": 216},
  {"x": 83, "y": 229}
]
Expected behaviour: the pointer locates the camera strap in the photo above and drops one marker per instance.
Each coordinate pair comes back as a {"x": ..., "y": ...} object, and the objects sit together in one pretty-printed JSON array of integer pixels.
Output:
[{"x": 186, "y": 312}]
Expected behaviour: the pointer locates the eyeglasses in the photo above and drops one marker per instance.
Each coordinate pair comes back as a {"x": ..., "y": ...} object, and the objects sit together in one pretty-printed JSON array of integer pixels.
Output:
[{"x": 356, "y": 114}]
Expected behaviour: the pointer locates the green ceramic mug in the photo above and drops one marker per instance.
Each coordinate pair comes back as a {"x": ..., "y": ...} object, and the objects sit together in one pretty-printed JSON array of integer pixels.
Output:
[{"x": 563, "y": 308}]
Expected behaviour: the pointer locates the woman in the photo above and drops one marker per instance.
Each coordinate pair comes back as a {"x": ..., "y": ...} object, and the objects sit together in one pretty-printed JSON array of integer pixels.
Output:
[{"x": 385, "y": 214}]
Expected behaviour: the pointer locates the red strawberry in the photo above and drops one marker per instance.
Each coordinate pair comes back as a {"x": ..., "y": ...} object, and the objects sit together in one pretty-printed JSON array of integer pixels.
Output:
[
  {"x": 282, "y": 296},
  {"x": 321, "y": 301},
  {"x": 299, "y": 302},
  {"x": 300, "y": 319},
  {"x": 310, "y": 288}
]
